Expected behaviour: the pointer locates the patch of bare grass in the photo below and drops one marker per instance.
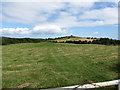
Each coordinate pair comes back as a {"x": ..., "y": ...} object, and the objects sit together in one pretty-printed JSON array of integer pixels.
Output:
[{"x": 32, "y": 85}]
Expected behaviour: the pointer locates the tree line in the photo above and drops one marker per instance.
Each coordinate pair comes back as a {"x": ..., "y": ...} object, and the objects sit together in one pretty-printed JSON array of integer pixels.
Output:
[
  {"x": 7, "y": 40},
  {"x": 67, "y": 37},
  {"x": 103, "y": 41}
]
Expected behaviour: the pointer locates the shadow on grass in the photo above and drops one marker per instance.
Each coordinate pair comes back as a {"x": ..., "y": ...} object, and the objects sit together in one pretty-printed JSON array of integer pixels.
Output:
[{"x": 116, "y": 68}]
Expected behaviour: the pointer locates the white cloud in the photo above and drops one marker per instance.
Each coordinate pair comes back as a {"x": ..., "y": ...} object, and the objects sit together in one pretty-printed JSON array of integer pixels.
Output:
[
  {"x": 95, "y": 33},
  {"x": 15, "y": 31},
  {"x": 29, "y": 13},
  {"x": 37, "y": 30},
  {"x": 106, "y": 15},
  {"x": 49, "y": 30},
  {"x": 94, "y": 17},
  {"x": 59, "y": 0},
  {"x": 78, "y": 7},
  {"x": 39, "y": 13}
]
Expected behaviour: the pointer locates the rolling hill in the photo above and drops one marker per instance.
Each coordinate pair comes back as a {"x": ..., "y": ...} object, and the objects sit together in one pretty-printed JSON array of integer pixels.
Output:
[{"x": 48, "y": 65}]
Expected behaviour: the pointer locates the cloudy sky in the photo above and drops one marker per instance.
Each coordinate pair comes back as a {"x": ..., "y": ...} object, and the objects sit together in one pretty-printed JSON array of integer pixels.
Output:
[{"x": 53, "y": 19}]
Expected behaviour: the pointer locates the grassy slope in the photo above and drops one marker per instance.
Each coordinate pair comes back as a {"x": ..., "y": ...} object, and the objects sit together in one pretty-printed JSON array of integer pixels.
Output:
[{"x": 49, "y": 64}]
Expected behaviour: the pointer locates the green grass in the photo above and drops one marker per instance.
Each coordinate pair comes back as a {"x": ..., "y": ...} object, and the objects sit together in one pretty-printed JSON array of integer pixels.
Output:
[{"x": 57, "y": 64}]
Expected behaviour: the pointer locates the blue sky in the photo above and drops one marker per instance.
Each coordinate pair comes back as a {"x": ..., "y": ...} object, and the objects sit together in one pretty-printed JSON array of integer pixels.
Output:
[{"x": 54, "y": 19}]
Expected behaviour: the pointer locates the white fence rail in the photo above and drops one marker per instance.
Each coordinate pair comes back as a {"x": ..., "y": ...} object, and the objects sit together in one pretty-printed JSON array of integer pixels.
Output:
[
  {"x": 96, "y": 85},
  {"x": 90, "y": 86}
]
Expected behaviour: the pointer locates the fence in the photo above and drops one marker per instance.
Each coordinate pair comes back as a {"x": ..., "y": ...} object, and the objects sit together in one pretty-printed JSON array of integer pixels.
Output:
[{"x": 95, "y": 85}]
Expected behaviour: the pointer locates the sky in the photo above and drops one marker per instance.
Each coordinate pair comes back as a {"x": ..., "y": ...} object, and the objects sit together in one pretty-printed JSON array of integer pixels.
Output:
[{"x": 93, "y": 18}]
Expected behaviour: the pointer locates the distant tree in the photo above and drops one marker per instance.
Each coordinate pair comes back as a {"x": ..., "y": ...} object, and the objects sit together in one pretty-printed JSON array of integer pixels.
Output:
[
  {"x": 89, "y": 42},
  {"x": 88, "y": 37}
]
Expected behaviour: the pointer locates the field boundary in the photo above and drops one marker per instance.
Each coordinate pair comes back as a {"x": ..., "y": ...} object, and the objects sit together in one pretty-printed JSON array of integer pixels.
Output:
[{"x": 96, "y": 85}]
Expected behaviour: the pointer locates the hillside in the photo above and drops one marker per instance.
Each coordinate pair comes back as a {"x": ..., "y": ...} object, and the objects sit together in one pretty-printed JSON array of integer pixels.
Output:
[
  {"x": 8, "y": 40},
  {"x": 48, "y": 65},
  {"x": 74, "y": 39},
  {"x": 66, "y": 39}
]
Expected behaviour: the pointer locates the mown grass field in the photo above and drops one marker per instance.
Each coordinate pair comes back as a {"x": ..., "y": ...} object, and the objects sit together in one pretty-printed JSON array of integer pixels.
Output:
[{"x": 48, "y": 64}]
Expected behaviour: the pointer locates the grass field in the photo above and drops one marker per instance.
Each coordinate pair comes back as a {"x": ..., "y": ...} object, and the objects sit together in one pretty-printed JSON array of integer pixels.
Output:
[{"x": 48, "y": 64}]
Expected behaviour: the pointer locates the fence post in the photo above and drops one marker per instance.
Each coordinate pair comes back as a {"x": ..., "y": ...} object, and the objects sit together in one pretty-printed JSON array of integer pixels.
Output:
[{"x": 119, "y": 85}]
